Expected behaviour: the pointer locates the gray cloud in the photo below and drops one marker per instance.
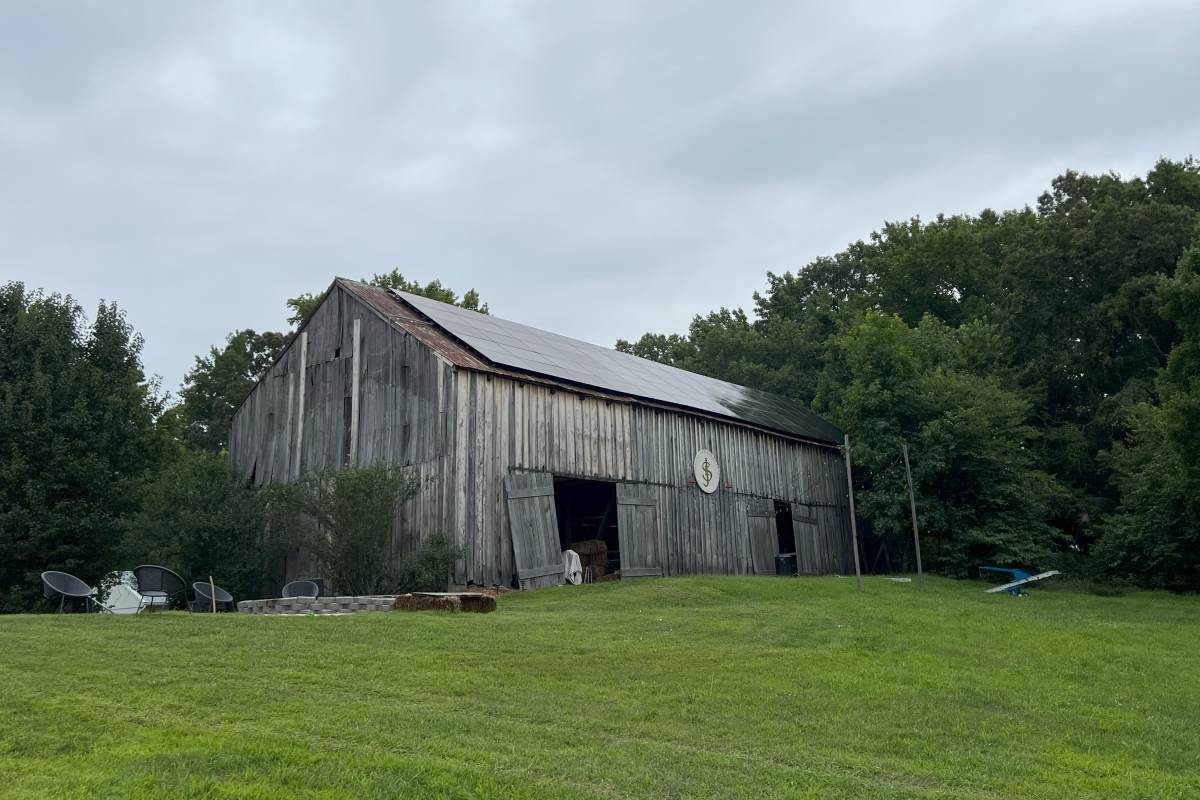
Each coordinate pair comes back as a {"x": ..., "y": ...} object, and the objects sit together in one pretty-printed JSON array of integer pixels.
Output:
[{"x": 596, "y": 171}]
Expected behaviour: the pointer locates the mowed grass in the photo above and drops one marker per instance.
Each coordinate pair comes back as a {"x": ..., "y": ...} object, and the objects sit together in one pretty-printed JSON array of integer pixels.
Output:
[{"x": 687, "y": 687}]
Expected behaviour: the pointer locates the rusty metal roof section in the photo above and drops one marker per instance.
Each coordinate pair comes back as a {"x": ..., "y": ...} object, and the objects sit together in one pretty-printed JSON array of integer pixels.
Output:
[
  {"x": 485, "y": 343},
  {"x": 421, "y": 328}
]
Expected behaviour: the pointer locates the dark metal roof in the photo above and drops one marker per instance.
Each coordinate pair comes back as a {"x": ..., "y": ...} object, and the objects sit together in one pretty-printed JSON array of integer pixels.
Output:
[{"x": 520, "y": 347}]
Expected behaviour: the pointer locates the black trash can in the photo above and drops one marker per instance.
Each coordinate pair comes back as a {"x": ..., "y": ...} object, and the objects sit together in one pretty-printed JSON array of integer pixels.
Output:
[{"x": 785, "y": 564}]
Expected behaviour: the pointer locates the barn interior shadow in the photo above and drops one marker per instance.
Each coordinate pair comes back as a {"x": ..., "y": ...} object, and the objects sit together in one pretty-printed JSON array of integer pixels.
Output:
[{"x": 587, "y": 517}]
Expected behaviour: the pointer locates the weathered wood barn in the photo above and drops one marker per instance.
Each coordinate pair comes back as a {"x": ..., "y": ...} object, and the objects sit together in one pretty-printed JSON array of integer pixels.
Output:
[{"x": 527, "y": 442}]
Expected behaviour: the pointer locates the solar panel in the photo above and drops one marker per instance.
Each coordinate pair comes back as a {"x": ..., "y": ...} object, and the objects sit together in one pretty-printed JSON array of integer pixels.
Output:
[{"x": 511, "y": 344}]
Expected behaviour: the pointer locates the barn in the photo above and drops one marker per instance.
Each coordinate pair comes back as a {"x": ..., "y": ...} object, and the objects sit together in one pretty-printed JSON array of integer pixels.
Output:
[{"x": 528, "y": 443}]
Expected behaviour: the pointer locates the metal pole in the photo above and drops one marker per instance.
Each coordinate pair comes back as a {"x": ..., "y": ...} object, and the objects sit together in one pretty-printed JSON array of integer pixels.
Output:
[
  {"x": 912, "y": 504},
  {"x": 853, "y": 522}
]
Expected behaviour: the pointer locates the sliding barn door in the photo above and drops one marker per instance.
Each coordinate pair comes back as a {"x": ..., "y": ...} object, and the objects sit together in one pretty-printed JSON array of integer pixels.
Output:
[
  {"x": 534, "y": 524},
  {"x": 638, "y": 532},
  {"x": 810, "y": 555},
  {"x": 764, "y": 541}
]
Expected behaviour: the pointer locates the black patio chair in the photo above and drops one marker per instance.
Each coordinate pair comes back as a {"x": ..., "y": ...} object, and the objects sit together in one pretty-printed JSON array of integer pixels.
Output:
[
  {"x": 304, "y": 588},
  {"x": 63, "y": 587},
  {"x": 204, "y": 598},
  {"x": 158, "y": 586}
]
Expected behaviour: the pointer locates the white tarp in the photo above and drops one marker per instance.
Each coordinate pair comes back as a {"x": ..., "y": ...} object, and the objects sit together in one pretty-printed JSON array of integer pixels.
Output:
[{"x": 572, "y": 567}]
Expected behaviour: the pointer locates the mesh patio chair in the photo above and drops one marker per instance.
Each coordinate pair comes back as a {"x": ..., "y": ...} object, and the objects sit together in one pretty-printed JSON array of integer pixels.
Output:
[
  {"x": 204, "y": 598},
  {"x": 64, "y": 587},
  {"x": 302, "y": 588},
  {"x": 158, "y": 586}
]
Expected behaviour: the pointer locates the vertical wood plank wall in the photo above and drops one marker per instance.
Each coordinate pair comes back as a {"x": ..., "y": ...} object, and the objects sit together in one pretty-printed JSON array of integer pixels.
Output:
[
  {"x": 507, "y": 425},
  {"x": 463, "y": 431},
  {"x": 404, "y": 415}
]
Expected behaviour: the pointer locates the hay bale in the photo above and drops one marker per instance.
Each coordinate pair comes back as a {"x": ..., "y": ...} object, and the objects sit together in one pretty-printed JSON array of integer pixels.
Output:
[
  {"x": 444, "y": 601},
  {"x": 477, "y": 603},
  {"x": 592, "y": 553},
  {"x": 590, "y": 548},
  {"x": 424, "y": 602}
]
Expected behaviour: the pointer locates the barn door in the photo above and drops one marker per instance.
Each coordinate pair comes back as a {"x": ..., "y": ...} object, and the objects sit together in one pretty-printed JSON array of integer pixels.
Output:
[
  {"x": 764, "y": 540},
  {"x": 810, "y": 558},
  {"x": 534, "y": 525},
  {"x": 638, "y": 532}
]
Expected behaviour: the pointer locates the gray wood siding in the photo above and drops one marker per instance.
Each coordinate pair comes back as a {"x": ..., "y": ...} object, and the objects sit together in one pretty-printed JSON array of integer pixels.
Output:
[
  {"x": 405, "y": 411},
  {"x": 464, "y": 431},
  {"x": 640, "y": 532},
  {"x": 505, "y": 425}
]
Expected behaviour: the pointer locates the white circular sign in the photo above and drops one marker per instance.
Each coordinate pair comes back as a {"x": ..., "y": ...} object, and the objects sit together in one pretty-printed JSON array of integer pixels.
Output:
[{"x": 708, "y": 472}]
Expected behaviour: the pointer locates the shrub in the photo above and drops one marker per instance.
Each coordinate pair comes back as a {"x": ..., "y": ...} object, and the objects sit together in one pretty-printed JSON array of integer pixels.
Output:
[
  {"x": 343, "y": 519},
  {"x": 429, "y": 568}
]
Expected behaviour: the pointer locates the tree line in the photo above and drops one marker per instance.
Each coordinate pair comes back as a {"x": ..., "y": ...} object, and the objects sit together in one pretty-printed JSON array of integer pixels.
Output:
[{"x": 1042, "y": 365}]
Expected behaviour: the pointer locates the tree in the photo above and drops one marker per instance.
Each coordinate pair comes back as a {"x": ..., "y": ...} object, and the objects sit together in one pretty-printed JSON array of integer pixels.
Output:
[
  {"x": 1154, "y": 538},
  {"x": 673, "y": 349},
  {"x": 303, "y": 305},
  {"x": 203, "y": 518},
  {"x": 218, "y": 382},
  {"x": 980, "y": 497},
  {"x": 77, "y": 437},
  {"x": 1075, "y": 299}
]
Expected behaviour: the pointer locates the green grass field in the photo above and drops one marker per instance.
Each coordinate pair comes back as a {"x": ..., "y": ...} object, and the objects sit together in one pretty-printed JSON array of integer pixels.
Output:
[{"x": 690, "y": 687}]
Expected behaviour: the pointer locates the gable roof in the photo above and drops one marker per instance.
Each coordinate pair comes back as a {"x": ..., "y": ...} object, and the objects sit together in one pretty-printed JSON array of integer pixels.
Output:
[{"x": 486, "y": 343}]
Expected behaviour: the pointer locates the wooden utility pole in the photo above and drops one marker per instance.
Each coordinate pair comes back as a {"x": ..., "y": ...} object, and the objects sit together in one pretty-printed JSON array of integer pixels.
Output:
[
  {"x": 912, "y": 504},
  {"x": 853, "y": 521}
]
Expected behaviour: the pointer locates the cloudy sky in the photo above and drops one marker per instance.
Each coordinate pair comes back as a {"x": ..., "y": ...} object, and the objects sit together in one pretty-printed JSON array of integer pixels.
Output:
[{"x": 595, "y": 169}]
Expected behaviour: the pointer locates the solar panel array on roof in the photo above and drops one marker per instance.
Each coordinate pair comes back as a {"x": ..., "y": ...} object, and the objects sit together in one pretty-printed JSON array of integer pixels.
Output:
[{"x": 511, "y": 344}]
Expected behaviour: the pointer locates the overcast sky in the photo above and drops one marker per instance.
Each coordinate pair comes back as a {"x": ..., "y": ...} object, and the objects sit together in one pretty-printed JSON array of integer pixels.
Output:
[{"x": 595, "y": 169}]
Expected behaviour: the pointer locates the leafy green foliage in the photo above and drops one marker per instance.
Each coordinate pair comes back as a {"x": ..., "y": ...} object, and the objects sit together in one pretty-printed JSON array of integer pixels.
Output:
[
  {"x": 76, "y": 437},
  {"x": 343, "y": 519},
  {"x": 303, "y": 305},
  {"x": 199, "y": 517},
  {"x": 979, "y": 496},
  {"x": 218, "y": 382},
  {"x": 1154, "y": 538},
  {"x": 428, "y": 569}
]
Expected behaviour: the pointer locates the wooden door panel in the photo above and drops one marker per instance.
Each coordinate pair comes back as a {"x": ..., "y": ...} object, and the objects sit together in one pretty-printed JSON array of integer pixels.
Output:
[
  {"x": 639, "y": 532},
  {"x": 764, "y": 541},
  {"x": 534, "y": 524}
]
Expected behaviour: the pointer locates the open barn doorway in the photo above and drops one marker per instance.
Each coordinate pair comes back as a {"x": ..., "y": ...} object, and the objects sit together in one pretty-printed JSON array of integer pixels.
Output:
[
  {"x": 587, "y": 524},
  {"x": 785, "y": 532}
]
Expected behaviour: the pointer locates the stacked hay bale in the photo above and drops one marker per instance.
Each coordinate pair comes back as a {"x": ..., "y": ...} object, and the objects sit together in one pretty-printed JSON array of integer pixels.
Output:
[{"x": 592, "y": 553}]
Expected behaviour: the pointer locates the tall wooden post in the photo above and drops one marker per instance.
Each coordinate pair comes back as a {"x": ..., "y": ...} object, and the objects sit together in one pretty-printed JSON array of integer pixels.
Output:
[
  {"x": 853, "y": 521},
  {"x": 912, "y": 504}
]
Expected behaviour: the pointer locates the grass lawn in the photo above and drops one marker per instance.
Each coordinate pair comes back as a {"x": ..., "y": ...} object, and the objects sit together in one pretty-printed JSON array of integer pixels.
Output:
[{"x": 688, "y": 687}]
